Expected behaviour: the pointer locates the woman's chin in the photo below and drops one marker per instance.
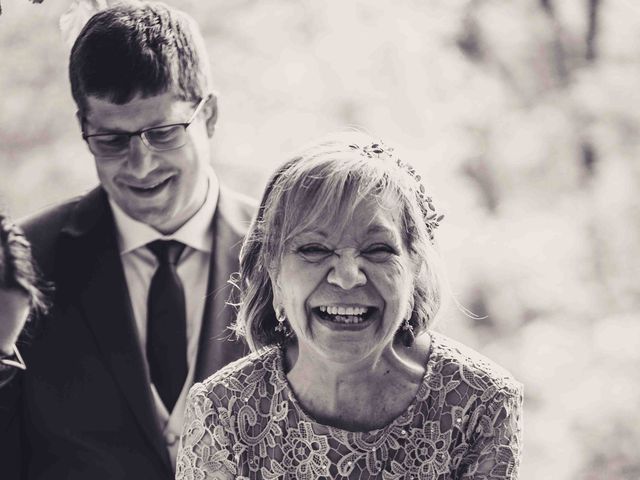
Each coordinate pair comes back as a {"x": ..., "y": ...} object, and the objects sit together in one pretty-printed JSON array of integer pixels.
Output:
[{"x": 345, "y": 340}]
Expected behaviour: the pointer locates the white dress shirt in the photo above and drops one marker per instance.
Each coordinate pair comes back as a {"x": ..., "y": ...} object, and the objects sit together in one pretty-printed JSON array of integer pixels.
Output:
[{"x": 193, "y": 269}]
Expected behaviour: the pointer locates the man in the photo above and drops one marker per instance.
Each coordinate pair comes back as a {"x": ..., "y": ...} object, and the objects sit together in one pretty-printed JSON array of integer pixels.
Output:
[{"x": 140, "y": 264}]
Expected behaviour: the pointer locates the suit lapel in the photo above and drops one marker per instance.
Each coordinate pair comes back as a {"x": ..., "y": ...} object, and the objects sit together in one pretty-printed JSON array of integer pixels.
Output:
[
  {"x": 217, "y": 345},
  {"x": 104, "y": 300}
]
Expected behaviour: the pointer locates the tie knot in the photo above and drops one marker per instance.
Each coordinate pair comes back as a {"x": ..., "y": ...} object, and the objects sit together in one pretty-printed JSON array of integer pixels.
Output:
[{"x": 166, "y": 251}]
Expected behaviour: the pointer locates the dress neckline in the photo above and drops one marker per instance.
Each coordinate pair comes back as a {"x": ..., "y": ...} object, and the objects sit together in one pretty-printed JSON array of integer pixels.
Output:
[{"x": 402, "y": 418}]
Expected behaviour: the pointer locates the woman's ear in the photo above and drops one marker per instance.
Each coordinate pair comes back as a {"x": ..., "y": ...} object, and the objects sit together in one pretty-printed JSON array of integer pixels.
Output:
[
  {"x": 275, "y": 288},
  {"x": 409, "y": 313},
  {"x": 211, "y": 113}
]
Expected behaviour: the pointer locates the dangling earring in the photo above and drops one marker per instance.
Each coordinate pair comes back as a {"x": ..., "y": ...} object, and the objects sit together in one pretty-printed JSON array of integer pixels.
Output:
[
  {"x": 408, "y": 335},
  {"x": 281, "y": 317},
  {"x": 407, "y": 327}
]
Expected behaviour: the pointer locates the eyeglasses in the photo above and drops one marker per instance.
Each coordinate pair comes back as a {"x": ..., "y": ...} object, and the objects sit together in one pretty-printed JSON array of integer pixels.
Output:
[{"x": 157, "y": 139}]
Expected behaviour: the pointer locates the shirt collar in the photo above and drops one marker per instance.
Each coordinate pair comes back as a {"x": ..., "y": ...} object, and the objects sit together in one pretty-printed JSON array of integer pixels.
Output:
[{"x": 197, "y": 233}]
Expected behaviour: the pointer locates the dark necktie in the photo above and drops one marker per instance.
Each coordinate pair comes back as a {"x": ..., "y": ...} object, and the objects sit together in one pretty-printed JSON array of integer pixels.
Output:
[{"x": 166, "y": 324}]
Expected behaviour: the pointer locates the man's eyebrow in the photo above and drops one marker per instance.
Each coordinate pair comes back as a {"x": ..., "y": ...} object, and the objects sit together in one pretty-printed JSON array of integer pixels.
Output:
[{"x": 154, "y": 124}]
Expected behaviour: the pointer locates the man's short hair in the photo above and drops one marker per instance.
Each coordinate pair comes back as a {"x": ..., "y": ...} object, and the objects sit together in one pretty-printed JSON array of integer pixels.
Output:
[{"x": 142, "y": 48}]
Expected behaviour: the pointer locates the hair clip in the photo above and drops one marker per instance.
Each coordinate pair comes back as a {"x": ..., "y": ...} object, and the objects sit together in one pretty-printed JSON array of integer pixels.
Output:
[{"x": 431, "y": 217}]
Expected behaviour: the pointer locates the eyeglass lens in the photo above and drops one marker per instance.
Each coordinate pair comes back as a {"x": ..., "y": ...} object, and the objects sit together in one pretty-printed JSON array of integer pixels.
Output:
[{"x": 160, "y": 138}]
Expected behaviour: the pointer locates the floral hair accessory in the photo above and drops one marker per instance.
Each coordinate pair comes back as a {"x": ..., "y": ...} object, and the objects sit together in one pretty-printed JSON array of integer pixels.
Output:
[{"x": 431, "y": 217}]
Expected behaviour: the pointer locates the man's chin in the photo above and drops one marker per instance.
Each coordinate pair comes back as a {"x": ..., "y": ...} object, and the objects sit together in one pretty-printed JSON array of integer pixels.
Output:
[
  {"x": 164, "y": 214},
  {"x": 165, "y": 221},
  {"x": 155, "y": 217}
]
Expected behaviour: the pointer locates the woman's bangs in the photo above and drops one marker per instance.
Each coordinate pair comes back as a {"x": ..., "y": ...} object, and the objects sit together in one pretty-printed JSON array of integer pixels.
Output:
[
  {"x": 328, "y": 204},
  {"x": 317, "y": 206}
]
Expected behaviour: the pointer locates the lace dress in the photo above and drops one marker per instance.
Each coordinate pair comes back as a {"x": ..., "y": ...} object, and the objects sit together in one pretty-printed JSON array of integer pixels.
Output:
[{"x": 245, "y": 423}]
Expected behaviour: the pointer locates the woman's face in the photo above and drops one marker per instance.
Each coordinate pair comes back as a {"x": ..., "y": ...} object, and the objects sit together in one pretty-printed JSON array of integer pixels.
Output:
[
  {"x": 346, "y": 291},
  {"x": 14, "y": 309}
]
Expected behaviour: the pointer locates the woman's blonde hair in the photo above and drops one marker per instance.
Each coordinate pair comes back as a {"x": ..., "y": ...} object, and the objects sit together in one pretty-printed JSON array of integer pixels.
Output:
[{"x": 324, "y": 184}]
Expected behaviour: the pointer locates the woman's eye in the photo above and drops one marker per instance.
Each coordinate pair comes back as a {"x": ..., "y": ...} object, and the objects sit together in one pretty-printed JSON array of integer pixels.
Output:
[
  {"x": 314, "y": 252},
  {"x": 378, "y": 252}
]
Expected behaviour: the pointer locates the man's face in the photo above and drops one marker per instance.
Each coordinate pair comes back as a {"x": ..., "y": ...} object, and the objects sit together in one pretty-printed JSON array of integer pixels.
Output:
[{"x": 163, "y": 189}]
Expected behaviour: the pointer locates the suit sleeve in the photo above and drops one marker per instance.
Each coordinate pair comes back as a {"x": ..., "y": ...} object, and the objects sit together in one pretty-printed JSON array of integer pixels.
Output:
[
  {"x": 10, "y": 427},
  {"x": 6, "y": 376},
  {"x": 494, "y": 453}
]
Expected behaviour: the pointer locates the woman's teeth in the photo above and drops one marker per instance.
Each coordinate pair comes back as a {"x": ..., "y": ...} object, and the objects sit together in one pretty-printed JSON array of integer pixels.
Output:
[
  {"x": 335, "y": 310},
  {"x": 341, "y": 314}
]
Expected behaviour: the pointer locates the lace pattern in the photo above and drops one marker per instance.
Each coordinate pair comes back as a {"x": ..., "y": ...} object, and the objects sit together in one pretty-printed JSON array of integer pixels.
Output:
[{"x": 245, "y": 423}]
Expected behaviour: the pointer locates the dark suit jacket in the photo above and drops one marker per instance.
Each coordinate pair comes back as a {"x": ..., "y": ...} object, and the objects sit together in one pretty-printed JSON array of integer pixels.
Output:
[{"x": 84, "y": 409}]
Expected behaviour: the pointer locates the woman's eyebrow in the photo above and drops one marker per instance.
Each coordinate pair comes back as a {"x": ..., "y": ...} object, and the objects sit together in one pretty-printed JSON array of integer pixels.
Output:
[
  {"x": 320, "y": 233},
  {"x": 379, "y": 228}
]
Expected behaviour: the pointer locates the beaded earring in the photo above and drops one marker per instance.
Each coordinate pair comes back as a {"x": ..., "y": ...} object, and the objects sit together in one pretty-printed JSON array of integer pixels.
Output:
[
  {"x": 281, "y": 327},
  {"x": 407, "y": 327},
  {"x": 407, "y": 333}
]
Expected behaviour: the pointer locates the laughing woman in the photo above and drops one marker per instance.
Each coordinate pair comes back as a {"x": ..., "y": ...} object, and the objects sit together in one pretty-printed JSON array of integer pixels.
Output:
[
  {"x": 20, "y": 294},
  {"x": 339, "y": 291}
]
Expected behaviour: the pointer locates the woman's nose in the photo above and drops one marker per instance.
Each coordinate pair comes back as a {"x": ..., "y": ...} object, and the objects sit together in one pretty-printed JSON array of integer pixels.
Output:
[{"x": 346, "y": 272}]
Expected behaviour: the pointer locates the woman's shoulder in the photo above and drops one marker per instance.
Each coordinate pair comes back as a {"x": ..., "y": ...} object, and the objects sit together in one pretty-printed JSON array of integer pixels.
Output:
[
  {"x": 237, "y": 376},
  {"x": 263, "y": 359},
  {"x": 460, "y": 363}
]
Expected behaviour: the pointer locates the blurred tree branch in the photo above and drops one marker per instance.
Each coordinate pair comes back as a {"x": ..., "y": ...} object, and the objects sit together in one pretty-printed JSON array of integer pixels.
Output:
[
  {"x": 480, "y": 171},
  {"x": 592, "y": 29},
  {"x": 547, "y": 6},
  {"x": 32, "y": 1},
  {"x": 559, "y": 51}
]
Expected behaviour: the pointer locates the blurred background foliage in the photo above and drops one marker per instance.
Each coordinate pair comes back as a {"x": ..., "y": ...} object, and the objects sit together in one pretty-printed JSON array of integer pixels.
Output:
[{"x": 523, "y": 118}]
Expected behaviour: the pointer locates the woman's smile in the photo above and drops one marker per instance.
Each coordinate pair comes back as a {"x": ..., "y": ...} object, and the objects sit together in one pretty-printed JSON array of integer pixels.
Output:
[{"x": 345, "y": 317}]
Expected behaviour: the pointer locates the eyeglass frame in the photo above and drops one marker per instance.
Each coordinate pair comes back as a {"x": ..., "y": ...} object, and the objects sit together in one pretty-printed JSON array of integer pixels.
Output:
[{"x": 141, "y": 133}]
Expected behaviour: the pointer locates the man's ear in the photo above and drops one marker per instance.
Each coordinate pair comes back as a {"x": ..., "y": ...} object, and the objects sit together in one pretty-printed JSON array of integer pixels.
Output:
[
  {"x": 211, "y": 113},
  {"x": 80, "y": 120}
]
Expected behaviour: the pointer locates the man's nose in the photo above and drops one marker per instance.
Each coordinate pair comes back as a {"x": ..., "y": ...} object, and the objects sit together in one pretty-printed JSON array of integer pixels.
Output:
[
  {"x": 346, "y": 271},
  {"x": 140, "y": 157}
]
